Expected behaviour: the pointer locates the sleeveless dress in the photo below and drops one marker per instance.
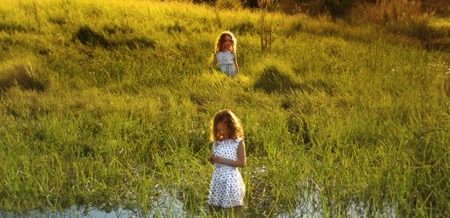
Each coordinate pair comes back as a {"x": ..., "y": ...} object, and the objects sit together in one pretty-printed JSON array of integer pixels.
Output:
[
  {"x": 225, "y": 60},
  {"x": 227, "y": 187}
]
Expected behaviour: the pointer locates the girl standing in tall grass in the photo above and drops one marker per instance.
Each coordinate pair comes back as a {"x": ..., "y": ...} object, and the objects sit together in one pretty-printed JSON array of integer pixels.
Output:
[
  {"x": 227, "y": 187},
  {"x": 225, "y": 54}
]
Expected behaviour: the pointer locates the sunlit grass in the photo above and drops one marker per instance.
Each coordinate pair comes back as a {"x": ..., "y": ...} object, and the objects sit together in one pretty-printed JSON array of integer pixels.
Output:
[{"x": 330, "y": 111}]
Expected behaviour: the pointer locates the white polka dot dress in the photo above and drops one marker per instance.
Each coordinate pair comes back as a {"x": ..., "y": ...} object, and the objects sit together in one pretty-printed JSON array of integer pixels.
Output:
[
  {"x": 227, "y": 188},
  {"x": 225, "y": 59}
]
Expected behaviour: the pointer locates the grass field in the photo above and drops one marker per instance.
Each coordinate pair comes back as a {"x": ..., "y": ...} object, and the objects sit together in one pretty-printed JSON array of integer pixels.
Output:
[{"x": 110, "y": 102}]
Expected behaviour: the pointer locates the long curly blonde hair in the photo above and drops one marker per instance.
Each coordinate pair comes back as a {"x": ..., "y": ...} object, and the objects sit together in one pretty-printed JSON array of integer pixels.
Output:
[
  {"x": 232, "y": 122},
  {"x": 221, "y": 39}
]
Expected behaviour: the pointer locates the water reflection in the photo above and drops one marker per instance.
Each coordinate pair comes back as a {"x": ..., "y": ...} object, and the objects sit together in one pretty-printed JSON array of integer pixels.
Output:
[
  {"x": 167, "y": 205},
  {"x": 311, "y": 205}
]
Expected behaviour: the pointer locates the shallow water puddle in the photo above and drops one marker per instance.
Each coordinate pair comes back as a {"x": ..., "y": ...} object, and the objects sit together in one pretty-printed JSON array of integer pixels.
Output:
[
  {"x": 310, "y": 206},
  {"x": 167, "y": 205}
]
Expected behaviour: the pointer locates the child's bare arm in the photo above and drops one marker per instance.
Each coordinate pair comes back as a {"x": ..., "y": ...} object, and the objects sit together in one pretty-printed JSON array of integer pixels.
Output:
[
  {"x": 214, "y": 61},
  {"x": 210, "y": 159},
  {"x": 236, "y": 66}
]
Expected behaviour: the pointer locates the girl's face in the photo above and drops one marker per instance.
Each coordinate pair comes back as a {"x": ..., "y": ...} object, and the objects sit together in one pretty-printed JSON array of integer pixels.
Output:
[
  {"x": 227, "y": 43},
  {"x": 223, "y": 132}
]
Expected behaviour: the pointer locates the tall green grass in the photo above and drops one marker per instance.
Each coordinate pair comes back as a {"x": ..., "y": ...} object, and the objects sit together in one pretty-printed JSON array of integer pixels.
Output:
[{"x": 122, "y": 94}]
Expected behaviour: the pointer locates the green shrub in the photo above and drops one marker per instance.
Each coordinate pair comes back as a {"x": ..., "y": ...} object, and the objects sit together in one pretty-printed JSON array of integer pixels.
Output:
[
  {"x": 386, "y": 11},
  {"x": 229, "y": 4}
]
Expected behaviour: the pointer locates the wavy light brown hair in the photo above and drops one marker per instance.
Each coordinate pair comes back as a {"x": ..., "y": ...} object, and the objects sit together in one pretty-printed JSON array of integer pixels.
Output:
[
  {"x": 232, "y": 122},
  {"x": 221, "y": 39}
]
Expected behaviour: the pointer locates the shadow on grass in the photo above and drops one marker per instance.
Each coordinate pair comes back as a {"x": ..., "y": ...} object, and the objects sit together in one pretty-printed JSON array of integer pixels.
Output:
[
  {"x": 23, "y": 76},
  {"x": 12, "y": 27},
  {"x": 273, "y": 80},
  {"x": 87, "y": 36}
]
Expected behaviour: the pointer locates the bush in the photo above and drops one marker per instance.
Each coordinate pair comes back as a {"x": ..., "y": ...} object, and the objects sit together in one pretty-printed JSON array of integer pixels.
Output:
[
  {"x": 386, "y": 11},
  {"x": 228, "y": 4},
  {"x": 399, "y": 17}
]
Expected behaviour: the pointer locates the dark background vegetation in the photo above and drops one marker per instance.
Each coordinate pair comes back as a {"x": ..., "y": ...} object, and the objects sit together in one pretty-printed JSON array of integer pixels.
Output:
[{"x": 336, "y": 8}]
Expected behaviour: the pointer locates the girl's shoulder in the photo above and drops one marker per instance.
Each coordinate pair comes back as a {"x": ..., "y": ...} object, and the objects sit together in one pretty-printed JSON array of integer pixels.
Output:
[
  {"x": 238, "y": 140},
  {"x": 224, "y": 52}
]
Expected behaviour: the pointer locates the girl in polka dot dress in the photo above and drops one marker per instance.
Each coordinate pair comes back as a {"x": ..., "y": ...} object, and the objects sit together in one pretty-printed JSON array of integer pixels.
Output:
[
  {"x": 227, "y": 188},
  {"x": 225, "y": 54}
]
